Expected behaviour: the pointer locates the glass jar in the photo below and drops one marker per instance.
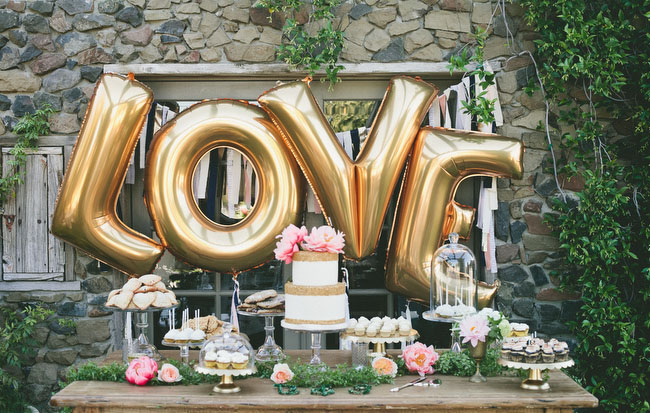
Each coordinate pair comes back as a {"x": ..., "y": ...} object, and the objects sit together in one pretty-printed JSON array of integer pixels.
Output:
[
  {"x": 453, "y": 284},
  {"x": 227, "y": 351}
]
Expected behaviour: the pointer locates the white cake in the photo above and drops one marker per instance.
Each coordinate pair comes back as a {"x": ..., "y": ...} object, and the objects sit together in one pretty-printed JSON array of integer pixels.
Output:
[{"x": 315, "y": 300}]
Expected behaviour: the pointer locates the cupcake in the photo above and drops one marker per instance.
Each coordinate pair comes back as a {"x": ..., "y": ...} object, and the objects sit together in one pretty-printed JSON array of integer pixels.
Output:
[
  {"x": 532, "y": 353},
  {"x": 352, "y": 323},
  {"x": 506, "y": 349},
  {"x": 517, "y": 353},
  {"x": 372, "y": 330},
  {"x": 171, "y": 336},
  {"x": 184, "y": 336},
  {"x": 404, "y": 328},
  {"x": 197, "y": 336},
  {"x": 520, "y": 329},
  {"x": 444, "y": 311},
  {"x": 387, "y": 330},
  {"x": 375, "y": 320},
  {"x": 239, "y": 361},
  {"x": 363, "y": 321},
  {"x": 548, "y": 355},
  {"x": 210, "y": 359},
  {"x": 565, "y": 351},
  {"x": 360, "y": 330},
  {"x": 223, "y": 359},
  {"x": 558, "y": 349}
]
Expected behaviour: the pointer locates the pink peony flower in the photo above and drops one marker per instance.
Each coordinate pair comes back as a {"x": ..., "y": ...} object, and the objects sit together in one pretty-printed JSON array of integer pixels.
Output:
[
  {"x": 419, "y": 358},
  {"x": 474, "y": 329},
  {"x": 141, "y": 370},
  {"x": 284, "y": 251},
  {"x": 169, "y": 373},
  {"x": 324, "y": 239},
  {"x": 281, "y": 373},
  {"x": 384, "y": 366}
]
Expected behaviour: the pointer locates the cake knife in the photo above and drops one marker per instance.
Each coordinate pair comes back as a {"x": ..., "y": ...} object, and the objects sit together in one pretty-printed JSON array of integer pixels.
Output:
[{"x": 409, "y": 384}]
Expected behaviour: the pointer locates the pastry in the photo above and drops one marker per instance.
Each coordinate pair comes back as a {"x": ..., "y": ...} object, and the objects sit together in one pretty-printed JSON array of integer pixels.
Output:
[
  {"x": 132, "y": 284},
  {"x": 123, "y": 299},
  {"x": 274, "y": 302},
  {"x": 210, "y": 359},
  {"x": 143, "y": 300},
  {"x": 260, "y": 296},
  {"x": 161, "y": 300},
  {"x": 150, "y": 279},
  {"x": 139, "y": 295}
]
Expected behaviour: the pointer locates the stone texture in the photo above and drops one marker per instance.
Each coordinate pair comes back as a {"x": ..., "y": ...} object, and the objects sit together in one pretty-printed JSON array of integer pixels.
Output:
[
  {"x": 208, "y": 5},
  {"x": 524, "y": 307},
  {"x": 72, "y": 309},
  {"x": 447, "y": 20},
  {"x": 359, "y": 10},
  {"x": 150, "y": 54},
  {"x": 506, "y": 253},
  {"x": 247, "y": 34},
  {"x": 236, "y": 14},
  {"x": 218, "y": 38},
  {"x": 504, "y": 298},
  {"x": 93, "y": 350},
  {"x": 159, "y": 4},
  {"x": 531, "y": 120},
  {"x": 357, "y": 30},
  {"x": 271, "y": 36},
  {"x": 30, "y": 53},
  {"x": 352, "y": 52},
  {"x": 539, "y": 275},
  {"x": 59, "y": 23},
  {"x": 411, "y": 9},
  {"x": 517, "y": 229},
  {"x": 382, "y": 17},
  {"x": 22, "y": 105},
  {"x": 156, "y": 15},
  {"x": 18, "y": 81},
  {"x": 61, "y": 79},
  {"x": 64, "y": 123},
  {"x": 131, "y": 15},
  {"x": 482, "y": 13},
  {"x": 40, "y": 334},
  {"x": 43, "y": 373},
  {"x": 512, "y": 273},
  {"x": 9, "y": 57},
  {"x": 549, "y": 312},
  {"x": 91, "y": 73},
  {"x": 8, "y": 19},
  {"x": 570, "y": 310},
  {"x": 85, "y": 22},
  {"x": 546, "y": 187},
  {"x": 515, "y": 210},
  {"x": 56, "y": 341},
  {"x": 18, "y": 37},
  {"x": 399, "y": 28},
  {"x": 209, "y": 23},
  {"x": 392, "y": 53},
  {"x": 33, "y": 23},
  {"x": 553, "y": 294},
  {"x": 455, "y": 5},
  {"x": 109, "y": 6},
  {"x": 536, "y": 225},
  {"x": 139, "y": 37},
  {"x": 525, "y": 289},
  {"x": 533, "y": 205},
  {"x": 73, "y": 43},
  {"x": 43, "y": 7},
  {"x": 376, "y": 40},
  {"x": 97, "y": 285},
  {"x": 496, "y": 46},
  {"x": 63, "y": 357},
  {"x": 417, "y": 39},
  {"x": 251, "y": 53},
  {"x": 43, "y": 98},
  {"x": 173, "y": 27},
  {"x": 5, "y": 104},
  {"x": 92, "y": 331},
  {"x": 502, "y": 221},
  {"x": 94, "y": 56},
  {"x": 73, "y": 7},
  {"x": 534, "y": 242},
  {"x": 430, "y": 53}
]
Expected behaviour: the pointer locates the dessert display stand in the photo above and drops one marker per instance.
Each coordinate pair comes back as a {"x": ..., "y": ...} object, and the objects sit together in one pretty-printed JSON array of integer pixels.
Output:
[
  {"x": 184, "y": 349},
  {"x": 316, "y": 332},
  {"x": 269, "y": 351},
  {"x": 534, "y": 381},
  {"x": 227, "y": 384},
  {"x": 141, "y": 346},
  {"x": 379, "y": 343}
]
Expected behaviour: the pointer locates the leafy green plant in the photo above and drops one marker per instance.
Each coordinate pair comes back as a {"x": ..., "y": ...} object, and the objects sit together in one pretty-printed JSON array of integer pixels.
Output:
[
  {"x": 594, "y": 59},
  {"x": 28, "y": 129},
  {"x": 16, "y": 344},
  {"x": 314, "y": 44}
]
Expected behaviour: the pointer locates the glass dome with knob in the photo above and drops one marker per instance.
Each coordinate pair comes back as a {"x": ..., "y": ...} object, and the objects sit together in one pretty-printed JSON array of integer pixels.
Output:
[{"x": 453, "y": 283}]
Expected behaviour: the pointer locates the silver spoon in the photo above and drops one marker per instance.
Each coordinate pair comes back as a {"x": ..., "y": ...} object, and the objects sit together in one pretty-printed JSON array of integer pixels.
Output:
[{"x": 418, "y": 380}]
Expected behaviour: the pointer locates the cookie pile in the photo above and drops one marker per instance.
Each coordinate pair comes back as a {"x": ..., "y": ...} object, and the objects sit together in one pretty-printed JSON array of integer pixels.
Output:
[
  {"x": 142, "y": 293},
  {"x": 263, "y": 302},
  {"x": 210, "y": 325}
]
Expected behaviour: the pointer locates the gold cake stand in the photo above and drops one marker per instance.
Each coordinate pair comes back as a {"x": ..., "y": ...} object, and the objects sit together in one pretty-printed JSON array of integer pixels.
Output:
[
  {"x": 227, "y": 384},
  {"x": 534, "y": 381},
  {"x": 379, "y": 343}
]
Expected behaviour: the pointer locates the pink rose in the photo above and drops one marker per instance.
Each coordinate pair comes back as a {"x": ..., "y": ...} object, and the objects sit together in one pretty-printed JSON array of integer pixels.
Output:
[
  {"x": 141, "y": 370},
  {"x": 474, "y": 329},
  {"x": 284, "y": 251},
  {"x": 324, "y": 239},
  {"x": 169, "y": 373},
  {"x": 419, "y": 358},
  {"x": 281, "y": 373}
]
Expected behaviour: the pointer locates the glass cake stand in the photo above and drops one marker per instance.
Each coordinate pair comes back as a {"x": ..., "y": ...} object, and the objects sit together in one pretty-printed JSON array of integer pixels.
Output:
[
  {"x": 379, "y": 343},
  {"x": 534, "y": 381},
  {"x": 184, "y": 349},
  {"x": 269, "y": 351},
  {"x": 140, "y": 345},
  {"x": 227, "y": 384},
  {"x": 316, "y": 333}
]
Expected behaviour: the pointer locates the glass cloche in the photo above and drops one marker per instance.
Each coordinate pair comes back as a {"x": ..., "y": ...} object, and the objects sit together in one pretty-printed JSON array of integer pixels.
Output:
[
  {"x": 452, "y": 292},
  {"x": 228, "y": 351}
]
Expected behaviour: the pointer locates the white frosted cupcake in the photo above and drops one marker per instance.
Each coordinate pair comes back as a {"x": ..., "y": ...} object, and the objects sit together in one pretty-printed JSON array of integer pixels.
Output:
[
  {"x": 387, "y": 330},
  {"x": 405, "y": 328},
  {"x": 375, "y": 320},
  {"x": 210, "y": 359},
  {"x": 197, "y": 336},
  {"x": 352, "y": 323},
  {"x": 359, "y": 330},
  {"x": 224, "y": 358},
  {"x": 363, "y": 321},
  {"x": 185, "y": 335},
  {"x": 239, "y": 361},
  {"x": 171, "y": 336},
  {"x": 372, "y": 331}
]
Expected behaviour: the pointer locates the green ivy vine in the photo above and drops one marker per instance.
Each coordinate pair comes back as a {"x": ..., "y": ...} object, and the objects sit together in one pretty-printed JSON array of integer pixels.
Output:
[
  {"x": 28, "y": 129},
  {"x": 314, "y": 44}
]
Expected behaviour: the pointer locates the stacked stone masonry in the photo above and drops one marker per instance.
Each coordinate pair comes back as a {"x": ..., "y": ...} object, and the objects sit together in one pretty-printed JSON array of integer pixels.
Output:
[{"x": 52, "y": 52}]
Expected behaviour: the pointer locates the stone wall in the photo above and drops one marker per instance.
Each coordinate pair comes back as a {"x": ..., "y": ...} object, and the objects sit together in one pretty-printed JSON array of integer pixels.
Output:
[{"x": 53, "y": 52}]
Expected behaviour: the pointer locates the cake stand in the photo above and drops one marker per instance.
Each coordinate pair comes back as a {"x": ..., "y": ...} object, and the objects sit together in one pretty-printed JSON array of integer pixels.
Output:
[
  {"x": 141, "y": 346},
  {"x": 535, "y": 380},
  {"x": 184, "y": 348},
  {"x": 227, "y": 384},
  {"x": 315, "y": 332},
  {"x": 379, "y": 343},
  {"x": 269, "y": 351}
]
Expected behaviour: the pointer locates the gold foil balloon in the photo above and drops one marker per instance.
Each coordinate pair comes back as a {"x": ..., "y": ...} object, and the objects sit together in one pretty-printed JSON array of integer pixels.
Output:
[
  {"x": 459, "y": 219},
  {"x": 85, "y": 209},
  {"x": 354, "y": 195},
  {"x": 441, "y": 159},
  {"x": 171, "y": 161}
]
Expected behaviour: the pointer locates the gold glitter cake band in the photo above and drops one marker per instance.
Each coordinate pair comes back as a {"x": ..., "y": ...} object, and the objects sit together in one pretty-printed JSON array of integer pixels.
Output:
[
  {"x": 324, "y": 322},
  {"x": 336, "y": 289},
  {"x": 313, "y": 256}
]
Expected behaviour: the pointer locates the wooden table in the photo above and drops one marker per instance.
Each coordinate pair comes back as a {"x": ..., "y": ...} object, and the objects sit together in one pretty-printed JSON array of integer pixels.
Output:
[{"x": 455, "y": 394}]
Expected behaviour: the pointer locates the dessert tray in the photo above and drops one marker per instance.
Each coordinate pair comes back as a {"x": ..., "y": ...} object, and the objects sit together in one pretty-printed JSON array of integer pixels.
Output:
[
  {"x": 188, "y": 344},
  {"x": 227, "y": 385},
  {"x": 413, "y": 335},
  {"x": 311, "y": 328},
  {"x": 535, "y": 381}
]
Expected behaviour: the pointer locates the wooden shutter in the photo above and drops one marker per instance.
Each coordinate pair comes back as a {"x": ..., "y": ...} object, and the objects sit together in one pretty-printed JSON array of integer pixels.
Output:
[{"x": 29, "y": 251}]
